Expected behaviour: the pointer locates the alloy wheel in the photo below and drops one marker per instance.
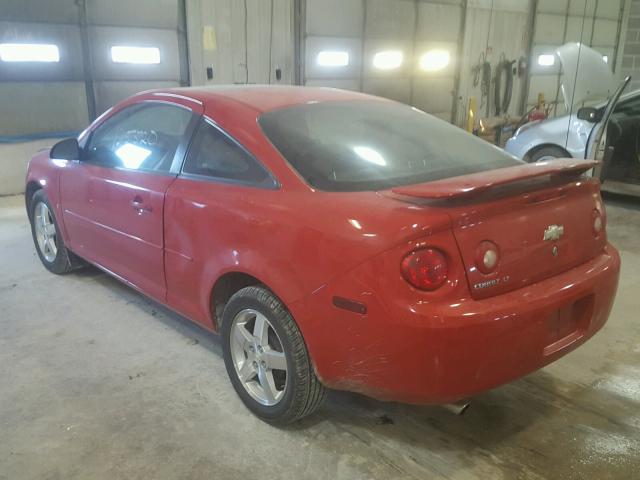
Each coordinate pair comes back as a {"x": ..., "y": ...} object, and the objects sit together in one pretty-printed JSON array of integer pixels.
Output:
[
  {"x": 258, "y": 357},
  {"x": 45, "y": 232}
]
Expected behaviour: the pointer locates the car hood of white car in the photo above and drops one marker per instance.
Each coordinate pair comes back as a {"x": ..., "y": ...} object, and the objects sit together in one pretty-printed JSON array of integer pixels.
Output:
[{"x": 586, "y": 77}]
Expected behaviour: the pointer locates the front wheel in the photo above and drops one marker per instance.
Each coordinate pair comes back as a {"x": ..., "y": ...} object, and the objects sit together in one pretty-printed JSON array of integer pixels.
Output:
[
  {"x": 46, "y": 236},
  {"x": 547, "y": 153},
  {"x": 266, "y": 358}
]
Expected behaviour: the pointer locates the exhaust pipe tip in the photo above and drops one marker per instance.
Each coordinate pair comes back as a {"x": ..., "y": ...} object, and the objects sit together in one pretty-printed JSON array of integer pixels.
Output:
[{"x": 457, "y": 408}]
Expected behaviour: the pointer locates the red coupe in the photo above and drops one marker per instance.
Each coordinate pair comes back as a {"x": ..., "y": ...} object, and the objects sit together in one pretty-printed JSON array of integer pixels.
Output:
[{"x": 333, "y": 239}]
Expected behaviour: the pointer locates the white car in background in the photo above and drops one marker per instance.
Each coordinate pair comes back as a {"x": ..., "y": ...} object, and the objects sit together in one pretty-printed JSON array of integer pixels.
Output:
[
  {"x": 588, "y": 82},
  {"x": 567, "y": 136}
]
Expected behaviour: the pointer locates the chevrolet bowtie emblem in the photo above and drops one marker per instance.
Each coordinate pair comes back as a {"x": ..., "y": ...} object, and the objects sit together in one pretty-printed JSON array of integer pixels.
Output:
[{"x": 553, "y": 232}]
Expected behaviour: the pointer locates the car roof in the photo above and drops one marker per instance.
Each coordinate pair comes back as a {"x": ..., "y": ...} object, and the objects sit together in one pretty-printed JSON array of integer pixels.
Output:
[{"x": 263, "y": 98}]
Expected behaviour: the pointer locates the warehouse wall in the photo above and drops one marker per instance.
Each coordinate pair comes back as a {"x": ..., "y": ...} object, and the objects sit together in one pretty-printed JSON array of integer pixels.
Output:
[
  {"x": 364, "y": 28},
  {"x": 517, "y": 30},
  {"x": 597, "y": 23},
  {"x": 39, "y": 97},
  {"x": 631, "y": 59},
  {"x": 494, "y": 30},
  {"x": 253, "y": 41},
  {"x": 14, "y": 158},
  {"x": 152, "y": 23},
  {"x": 241, "y": 41}
]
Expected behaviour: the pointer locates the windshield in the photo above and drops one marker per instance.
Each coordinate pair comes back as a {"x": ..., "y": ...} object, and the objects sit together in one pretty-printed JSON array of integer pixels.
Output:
[{"x": 372, "y": 145}]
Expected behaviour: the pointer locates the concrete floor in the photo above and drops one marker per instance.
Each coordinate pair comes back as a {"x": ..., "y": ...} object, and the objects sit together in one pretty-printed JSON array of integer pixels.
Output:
[{"x": 96, "y": 381}]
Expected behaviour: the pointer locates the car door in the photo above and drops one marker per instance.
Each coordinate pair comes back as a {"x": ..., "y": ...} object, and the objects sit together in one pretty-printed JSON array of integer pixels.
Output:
[
  {"x": 622, "y": 162},
  {"x": 595, "y": 144},
  {"x": 113, "y": 197},
  {"x": 210, "y": 210}
]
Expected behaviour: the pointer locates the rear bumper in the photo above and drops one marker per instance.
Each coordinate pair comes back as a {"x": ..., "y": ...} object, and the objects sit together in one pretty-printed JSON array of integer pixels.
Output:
[{"x": 429, "y": 352}]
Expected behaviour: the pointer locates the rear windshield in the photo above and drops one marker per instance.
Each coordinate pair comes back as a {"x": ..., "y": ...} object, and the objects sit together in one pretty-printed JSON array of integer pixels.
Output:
[{"x": 369, "y": 145}]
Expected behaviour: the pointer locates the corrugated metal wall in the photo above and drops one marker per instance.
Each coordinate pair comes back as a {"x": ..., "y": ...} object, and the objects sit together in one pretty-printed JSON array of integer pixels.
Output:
[
  {"x": 38, "y": 97},
  {"x": 241, "y": 41},
  {"x": 631, "y": 47},
  {"x": 494, "y": 30},
  {"x": 255, "y": 41},
  {"x": 363, "y": 28},
  {"x": 596, "y": 23},
  {"x": 53, "y": 97},
  {"x": 467, "y": 29}
]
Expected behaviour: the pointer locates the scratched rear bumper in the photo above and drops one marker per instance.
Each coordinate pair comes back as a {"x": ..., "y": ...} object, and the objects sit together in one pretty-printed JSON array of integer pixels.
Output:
[{"x": 415, "y": 351}]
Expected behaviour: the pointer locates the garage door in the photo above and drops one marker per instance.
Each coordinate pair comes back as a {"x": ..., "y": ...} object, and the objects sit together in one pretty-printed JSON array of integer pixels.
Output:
[
  {"x": 401, "y": 49},
  {"x": 76, "y": 61},
  {"x": 591, "y": 22}
]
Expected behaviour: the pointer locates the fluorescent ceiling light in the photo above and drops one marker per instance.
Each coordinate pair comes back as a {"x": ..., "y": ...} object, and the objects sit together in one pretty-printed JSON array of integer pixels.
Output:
[
  {"x": 605, "y": 58},
  {"x": 370, "y": 155},
  {"x": 332, "y": 58},
  {"x": 387, "y": 59},
  {"x": 29, "y": 52},
  {"x": 140, "y": 55},
  {"x": 546, "y": 60},
  {"x": 435, "y": 60}
]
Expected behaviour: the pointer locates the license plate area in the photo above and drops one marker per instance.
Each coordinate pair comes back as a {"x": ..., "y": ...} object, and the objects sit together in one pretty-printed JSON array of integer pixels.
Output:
[{"x": 568, "y": 324}]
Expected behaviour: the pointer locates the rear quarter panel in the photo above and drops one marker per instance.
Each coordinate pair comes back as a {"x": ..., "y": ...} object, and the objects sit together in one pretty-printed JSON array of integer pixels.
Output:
[{"x": 294, "y": 242}]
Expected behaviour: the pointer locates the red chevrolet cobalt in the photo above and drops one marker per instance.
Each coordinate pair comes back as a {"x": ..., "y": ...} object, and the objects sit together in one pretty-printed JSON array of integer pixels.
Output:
[{"x": 333, "y": 239}]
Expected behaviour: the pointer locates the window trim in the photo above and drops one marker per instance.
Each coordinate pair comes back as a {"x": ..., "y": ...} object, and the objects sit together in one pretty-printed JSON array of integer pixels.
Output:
[
  {"x": 275, "y": 184},
  {"x": 181, "y": 151}
]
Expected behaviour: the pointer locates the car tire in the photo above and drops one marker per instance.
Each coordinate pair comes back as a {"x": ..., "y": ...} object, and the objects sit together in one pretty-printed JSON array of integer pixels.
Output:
[
  {"x": 547, "y": 153},
  {"x": 259, "y": 339},
  {"x": 47, "y": 238}
]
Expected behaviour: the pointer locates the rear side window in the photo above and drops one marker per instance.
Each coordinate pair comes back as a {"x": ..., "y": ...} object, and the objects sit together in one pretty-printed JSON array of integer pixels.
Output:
[
  {"x": 140, "y": 137},
  {"x": 375, "y": 145},
  {"x": 214, "y": 154}
]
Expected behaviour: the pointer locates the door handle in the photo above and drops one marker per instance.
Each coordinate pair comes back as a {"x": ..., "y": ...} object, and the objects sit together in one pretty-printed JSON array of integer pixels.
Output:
[{"x": 138, "y": 205}]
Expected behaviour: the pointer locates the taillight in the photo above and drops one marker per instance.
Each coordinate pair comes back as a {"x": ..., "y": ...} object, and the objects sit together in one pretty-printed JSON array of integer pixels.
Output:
[
  {"x": 487, "y": 257},
  {"x": 425, "y": 269}
]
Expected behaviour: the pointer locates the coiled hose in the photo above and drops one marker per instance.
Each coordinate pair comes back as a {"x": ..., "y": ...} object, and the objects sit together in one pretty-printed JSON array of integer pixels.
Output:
[{"x": 502, "y": 102}]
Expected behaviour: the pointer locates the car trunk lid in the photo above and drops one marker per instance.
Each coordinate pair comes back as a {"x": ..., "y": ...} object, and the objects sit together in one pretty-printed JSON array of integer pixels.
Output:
[{"x": 540, "y": 217}]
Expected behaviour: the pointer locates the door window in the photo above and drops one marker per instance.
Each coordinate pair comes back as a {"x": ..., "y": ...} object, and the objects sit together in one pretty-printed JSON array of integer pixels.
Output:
[
  {"x": 214, "y": 154},
  {"x": 141, "y": 137},
  {"x": 630, "y": 107}
]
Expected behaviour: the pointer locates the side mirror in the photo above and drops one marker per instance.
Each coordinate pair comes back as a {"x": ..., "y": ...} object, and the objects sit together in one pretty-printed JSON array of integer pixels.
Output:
[
  {"x": 66, "y": 150},
  {"x": 590, "y": 114}
]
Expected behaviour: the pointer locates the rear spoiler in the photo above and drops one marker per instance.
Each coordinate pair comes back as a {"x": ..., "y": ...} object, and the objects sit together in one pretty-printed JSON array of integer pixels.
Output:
[{"x": 465, "y": 185}]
